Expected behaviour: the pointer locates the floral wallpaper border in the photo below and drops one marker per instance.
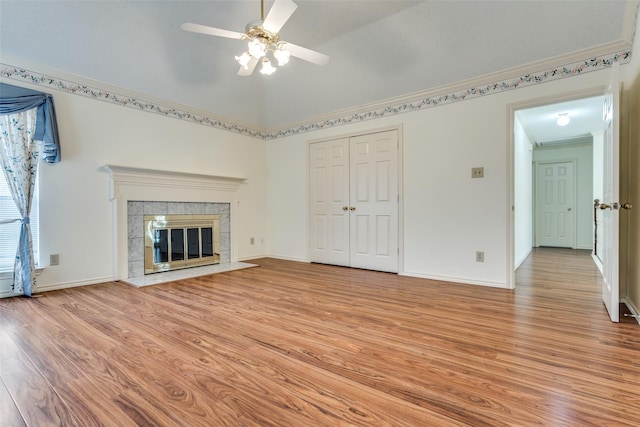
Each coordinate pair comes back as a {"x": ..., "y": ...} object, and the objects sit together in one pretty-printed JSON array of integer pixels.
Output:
[{"x": 574, "y": 69}]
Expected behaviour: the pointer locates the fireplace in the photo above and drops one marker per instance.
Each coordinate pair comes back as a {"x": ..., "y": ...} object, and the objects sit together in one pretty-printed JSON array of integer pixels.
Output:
[
  {"x": 136, "y": 192},
  {"x": 180, "y": 241}
]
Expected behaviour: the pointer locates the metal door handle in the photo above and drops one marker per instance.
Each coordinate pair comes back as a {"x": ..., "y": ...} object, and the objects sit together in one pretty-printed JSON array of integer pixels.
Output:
[
  {"x": 569, "y": 209},
  {"x": 604, "y": 206},
  {"x": 352, "y": 208},
  {"x": 345, "y": 208},
  {"x": 626, "y": 206}
]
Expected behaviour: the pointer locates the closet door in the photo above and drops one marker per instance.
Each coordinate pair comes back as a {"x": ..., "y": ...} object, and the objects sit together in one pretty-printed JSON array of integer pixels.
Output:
[
  {"x": 374, "y": 201},
  {"x": 353, "y": 201},
  {"x": 329, "y": 202}
]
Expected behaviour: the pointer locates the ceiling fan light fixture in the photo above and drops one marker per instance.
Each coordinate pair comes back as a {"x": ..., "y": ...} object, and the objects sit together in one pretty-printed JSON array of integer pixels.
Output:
[
  {"x": 563, "y": 119},
  {"x": 257, "y": 48},
  {"x": 282, "y": 55},
  {"x": 243, "y": 60},
  {"x": 267, "y": 69}
]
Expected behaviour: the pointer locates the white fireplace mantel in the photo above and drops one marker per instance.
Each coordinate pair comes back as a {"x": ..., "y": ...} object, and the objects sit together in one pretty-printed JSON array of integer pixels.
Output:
[{"x": 136, "y": 184}]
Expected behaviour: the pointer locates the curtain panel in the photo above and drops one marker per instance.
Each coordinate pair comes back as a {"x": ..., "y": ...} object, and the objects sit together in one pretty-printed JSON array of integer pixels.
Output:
[
  {"x": 19, "y": 153},
  {"x": 15, "y": 99}
]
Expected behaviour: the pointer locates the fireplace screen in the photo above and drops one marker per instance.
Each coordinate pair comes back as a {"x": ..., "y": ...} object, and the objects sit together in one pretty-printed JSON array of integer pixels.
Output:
[{"x": 180, "y": 241}]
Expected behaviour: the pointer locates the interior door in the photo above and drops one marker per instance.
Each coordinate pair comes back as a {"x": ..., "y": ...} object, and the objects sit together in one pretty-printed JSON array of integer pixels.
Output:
[
  {"x": 555, "y": 204},
  {"x": 329, "y": 201},
  {"x": 353, "y": 201},
  {"x": 374, "y": 201},
  {"x": 611, "y": 190}
]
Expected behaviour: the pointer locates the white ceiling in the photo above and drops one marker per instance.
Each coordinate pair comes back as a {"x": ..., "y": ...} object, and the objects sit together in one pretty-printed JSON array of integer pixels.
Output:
[
  {"x": 379, "y": 49},
  {"x": 540, "y": 123}
]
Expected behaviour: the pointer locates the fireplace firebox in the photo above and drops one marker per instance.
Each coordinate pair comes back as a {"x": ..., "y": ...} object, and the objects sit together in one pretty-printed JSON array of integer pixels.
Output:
[{"x": 180, "y": 241}]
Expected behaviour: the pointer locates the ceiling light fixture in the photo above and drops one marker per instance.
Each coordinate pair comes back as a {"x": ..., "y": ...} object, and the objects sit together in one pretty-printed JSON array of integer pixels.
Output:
[
  {"x": 563, "y": 119},
  {"x": 263, "y": 41},
  {"x": 262, "y": 45},
  {"x": 267, "y": 69}
]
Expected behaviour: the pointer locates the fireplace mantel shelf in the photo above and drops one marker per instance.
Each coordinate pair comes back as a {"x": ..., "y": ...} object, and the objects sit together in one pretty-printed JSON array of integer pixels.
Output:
[{"x": 130, "y": 171}]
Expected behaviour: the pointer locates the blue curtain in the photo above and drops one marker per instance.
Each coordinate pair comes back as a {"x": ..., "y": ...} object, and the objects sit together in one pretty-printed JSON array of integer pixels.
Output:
[
  {"x": 26, "y": 117},
  {"x": 14, "y": 99},
  {"x": 19, "y": 154}
]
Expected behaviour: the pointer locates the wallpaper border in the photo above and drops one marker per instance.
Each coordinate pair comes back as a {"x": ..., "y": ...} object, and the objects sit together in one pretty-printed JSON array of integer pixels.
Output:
[{"x": 417, "y": 102}]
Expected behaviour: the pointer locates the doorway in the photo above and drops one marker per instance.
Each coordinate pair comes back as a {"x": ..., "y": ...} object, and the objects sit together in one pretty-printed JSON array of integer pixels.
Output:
[{"x": 557, "y": 174}]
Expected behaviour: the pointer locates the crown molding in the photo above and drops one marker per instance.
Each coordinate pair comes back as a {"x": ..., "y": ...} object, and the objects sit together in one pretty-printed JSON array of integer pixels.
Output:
[
  {"x": 550, "y": 69},
  {"x": 576, "y": 63},
  {"x": 23, "y": 71}
]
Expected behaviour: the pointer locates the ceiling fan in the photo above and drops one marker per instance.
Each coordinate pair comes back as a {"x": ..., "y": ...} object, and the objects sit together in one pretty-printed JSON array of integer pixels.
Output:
[{"x": 264, "y": 41}]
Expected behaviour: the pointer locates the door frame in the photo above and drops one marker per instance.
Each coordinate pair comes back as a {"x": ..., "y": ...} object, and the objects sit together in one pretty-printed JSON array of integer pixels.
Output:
[
  {"x": 398, "y": 128},
  {"x": 574, "y": 162},
  {"x": 511, "y": 113}
]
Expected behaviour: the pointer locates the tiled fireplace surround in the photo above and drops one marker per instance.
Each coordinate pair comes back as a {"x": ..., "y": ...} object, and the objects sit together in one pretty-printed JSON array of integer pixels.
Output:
[
  {"x": 135, "y": 192},
  {"x": 136, "y": 210}
]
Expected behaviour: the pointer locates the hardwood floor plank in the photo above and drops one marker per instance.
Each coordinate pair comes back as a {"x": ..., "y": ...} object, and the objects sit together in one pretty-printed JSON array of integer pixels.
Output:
[
  {"x": 35, "y": 399},
  {"x": 291, "y": 343},
  {"x": 9, "y": 413}
]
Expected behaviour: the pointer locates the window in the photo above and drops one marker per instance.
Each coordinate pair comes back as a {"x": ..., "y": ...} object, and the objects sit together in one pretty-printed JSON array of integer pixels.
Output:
[{"x": 9, "y": 233}]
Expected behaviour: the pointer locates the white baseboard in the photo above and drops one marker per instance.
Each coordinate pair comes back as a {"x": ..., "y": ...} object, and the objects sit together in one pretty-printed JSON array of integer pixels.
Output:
[
  {"x": 634, "y": 310},
  {"x": 455, "y": 280},
  {"x": 66, "y": 285},
  {"x": 282, "y": 257},
  {"x": 521, "y": 260}
]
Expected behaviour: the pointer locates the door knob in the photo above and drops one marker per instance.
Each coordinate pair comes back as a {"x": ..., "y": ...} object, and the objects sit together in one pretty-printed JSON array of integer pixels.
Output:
[
  {"x": 569, "y": 209},
  {"x": 604, "y": 206},
  {"x": 626, "y": 206},
  {"x": 345, "y": 208},
  {"x": 352, "y": 208}
]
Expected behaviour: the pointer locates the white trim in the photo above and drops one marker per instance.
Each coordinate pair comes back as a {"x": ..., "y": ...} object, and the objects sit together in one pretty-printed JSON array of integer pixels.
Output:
[
  {"x": 523, "y": 259},
  {"x": 66, "y": 285},
  {"x": 634, "y": 311},
  {"x": 286, "y": 258},
  {"x": 454, "y": 280},
  {"x": 135, "y": 184}
]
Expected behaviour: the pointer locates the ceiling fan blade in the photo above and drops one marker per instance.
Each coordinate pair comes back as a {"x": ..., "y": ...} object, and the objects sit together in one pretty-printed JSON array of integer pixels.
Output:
[
  {"x": 203, "y": 29},
  {"x": 250, "y": 67},
  {"x": 306, "y": 54},
  {"x": 279, "y": 14}
]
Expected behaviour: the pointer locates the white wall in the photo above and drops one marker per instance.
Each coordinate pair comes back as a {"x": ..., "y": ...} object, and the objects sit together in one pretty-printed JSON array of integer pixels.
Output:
[
  {"x": 447, "y": 215},
  {"x": 583, "y": 156},
  {"x": 75, "y": 211},
  {"x": 523, "y": 193}
]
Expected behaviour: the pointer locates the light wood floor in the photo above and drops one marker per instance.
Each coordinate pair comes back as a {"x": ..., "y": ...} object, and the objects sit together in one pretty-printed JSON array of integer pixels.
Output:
[{"x": 294, "y": 344}]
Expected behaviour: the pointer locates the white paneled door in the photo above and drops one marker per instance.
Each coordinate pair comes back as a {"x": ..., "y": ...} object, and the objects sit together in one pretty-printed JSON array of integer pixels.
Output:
[
  {"x": 611, "y": 193},
  {"x": 354, "y": 201},
  {"x": 329, "y": 201},
  {"x": 555, "y": 204}
]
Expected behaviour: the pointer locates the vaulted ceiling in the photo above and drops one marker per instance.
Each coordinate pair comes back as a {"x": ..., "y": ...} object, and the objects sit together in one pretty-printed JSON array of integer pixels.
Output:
[{"x": 379, "y": 50}]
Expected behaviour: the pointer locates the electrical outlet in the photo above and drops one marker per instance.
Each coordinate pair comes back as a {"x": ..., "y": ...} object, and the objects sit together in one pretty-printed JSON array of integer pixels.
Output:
[
  {"x": 54, "y": 259},
  {"x": 477, "y": 172},
  {"x": 479, "y": 256},
  {"x": 252, "y": 241}
]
